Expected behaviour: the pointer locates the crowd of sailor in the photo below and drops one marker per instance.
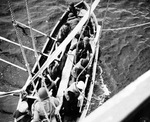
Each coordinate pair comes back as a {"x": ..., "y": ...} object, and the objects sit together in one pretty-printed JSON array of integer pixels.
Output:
[{"x": 47, "y": 106}]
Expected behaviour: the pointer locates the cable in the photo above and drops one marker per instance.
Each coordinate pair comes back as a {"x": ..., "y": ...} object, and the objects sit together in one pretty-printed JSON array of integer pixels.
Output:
[
  {"x": 104, "y": 18},
  {"x": 24, "y": 56},
  {"x": 31, "y": 32},
  {"x": 135, "y": 26}
]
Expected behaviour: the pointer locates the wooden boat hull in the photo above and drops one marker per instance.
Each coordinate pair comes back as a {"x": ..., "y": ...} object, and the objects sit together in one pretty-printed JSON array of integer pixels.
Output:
[
  {"x": 53, "y": 52},
  {"x": 90, "y": 85}
]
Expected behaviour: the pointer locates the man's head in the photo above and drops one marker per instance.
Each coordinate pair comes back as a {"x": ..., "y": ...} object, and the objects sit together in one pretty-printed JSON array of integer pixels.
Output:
[
  {"x": 71, "y": 7},
  {"x": 80, "y": 85},
  {"x": 84, "y": 62},
  {"x": 86, "y": 40},
  {"x": 23, "y": 106},
  {"x": 42, "y": 93}
]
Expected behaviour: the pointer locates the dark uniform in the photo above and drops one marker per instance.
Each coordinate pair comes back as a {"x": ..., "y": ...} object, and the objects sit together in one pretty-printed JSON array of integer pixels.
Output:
[
  {"x": 70, "y": 109},
  {"x": 82, "y": 49},
  {"x": 64, "y": 31}
]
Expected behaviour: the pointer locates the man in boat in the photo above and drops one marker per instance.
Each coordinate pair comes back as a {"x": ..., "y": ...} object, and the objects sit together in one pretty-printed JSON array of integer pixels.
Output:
[
  {"x": 84, "y": 49},
  {"x": 78, "y": 68},
  {"x": 52, "y": 75},
  {"x": 74, "y": 10},
  {"x": 64, "y": 31},
  {"x": 69, "y": 109},
  {"x": 51, "y": 85},
  {"x": 48, "y": 103},
  {"x": 89, "y": 29},
  {"x": 53, "y": 69},
  {"x": 73, "y": 22}
]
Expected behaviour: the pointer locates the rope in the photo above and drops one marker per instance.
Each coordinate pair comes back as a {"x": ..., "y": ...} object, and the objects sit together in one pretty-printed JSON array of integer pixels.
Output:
[
  {"x": 100, "y": 98},
  {"x": 4, "y": 39},
  {"x": 11, "y": 12},
  {"x": 35, "y": 30},
  {"x": 104, "y": 18},
  {"x": 31, "y": 32},
  {"x": 36, "y": 55},
  {"x": 93, "y": 55},
  {"x": 19, "y": 39},
  {"x": 24, "y": 56},
  {"x": 84, "y": 70},
  {"x": 21, "y": 46},
  {"x": 49, "y": 97},
  {"x": 123, "y": 28},
  {"x": 22, "y": 68},
  {"x": 81, "y": 73}
]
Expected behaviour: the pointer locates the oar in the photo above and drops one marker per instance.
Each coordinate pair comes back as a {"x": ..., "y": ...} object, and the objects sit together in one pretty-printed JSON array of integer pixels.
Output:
[{"x": 4, "y": 94}]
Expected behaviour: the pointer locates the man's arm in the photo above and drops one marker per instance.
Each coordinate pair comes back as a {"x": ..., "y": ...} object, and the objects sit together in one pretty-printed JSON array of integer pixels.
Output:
[
  {"x": 36, "y": 117},
  {"x": 73, "y": 47}
]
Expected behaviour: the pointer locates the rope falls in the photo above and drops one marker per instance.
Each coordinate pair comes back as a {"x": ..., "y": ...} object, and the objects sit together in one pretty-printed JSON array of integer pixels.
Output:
[
  {"x": 31, "y": 32},
  {"x": 19, "y": 67},
  {"x": 24, "y": 56},
  {"x": 19, "y": 39},
  {"x": 36, "y": 55}
]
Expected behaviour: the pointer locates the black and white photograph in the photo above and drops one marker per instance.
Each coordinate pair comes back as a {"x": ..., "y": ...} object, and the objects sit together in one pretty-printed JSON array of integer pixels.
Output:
[{"x": 74, "y": 61}]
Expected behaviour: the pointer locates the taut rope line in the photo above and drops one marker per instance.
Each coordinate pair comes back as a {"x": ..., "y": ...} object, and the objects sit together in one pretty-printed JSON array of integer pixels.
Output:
[
  {"x": 104, "y": 18},
  {"x": 123, "y": 28},
  {"x": 31, "y": 32},
  {"x": 19, "y": 39},
  {"x": 24, "y": 56},
  {"x": 7, "y": 40}
]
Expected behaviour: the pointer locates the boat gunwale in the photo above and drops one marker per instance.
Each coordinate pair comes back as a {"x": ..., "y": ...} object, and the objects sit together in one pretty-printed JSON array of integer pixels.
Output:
[
  {"x": 53, "y": 32},
  {"x": 47, "y": 41},
  {"x": 86, "y": 107}
]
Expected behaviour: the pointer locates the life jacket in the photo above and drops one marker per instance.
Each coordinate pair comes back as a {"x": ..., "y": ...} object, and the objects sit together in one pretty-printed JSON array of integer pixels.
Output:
[
  {"x": 64, "y": 31},
  {"x": 49, "y": 108},
  {"x": 50, "y": 113}
]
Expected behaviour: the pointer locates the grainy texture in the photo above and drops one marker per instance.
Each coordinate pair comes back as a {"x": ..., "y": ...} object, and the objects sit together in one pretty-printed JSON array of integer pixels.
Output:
[{"x": 125, "y": 53}]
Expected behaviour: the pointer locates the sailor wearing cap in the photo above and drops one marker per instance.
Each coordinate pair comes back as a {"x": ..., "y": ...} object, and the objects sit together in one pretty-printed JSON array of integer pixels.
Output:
[
  {"x": 49, "y": 105},
  {"x": 69, "y": 106},
  {"x": 84, "y": 49},
  {"x": 75, "y": 88}
]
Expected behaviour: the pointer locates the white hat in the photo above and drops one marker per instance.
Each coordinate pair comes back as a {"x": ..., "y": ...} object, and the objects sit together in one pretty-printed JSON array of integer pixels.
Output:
[
  {"x": 80, "y": 85},
  {"x": 23, "y": 106}
]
